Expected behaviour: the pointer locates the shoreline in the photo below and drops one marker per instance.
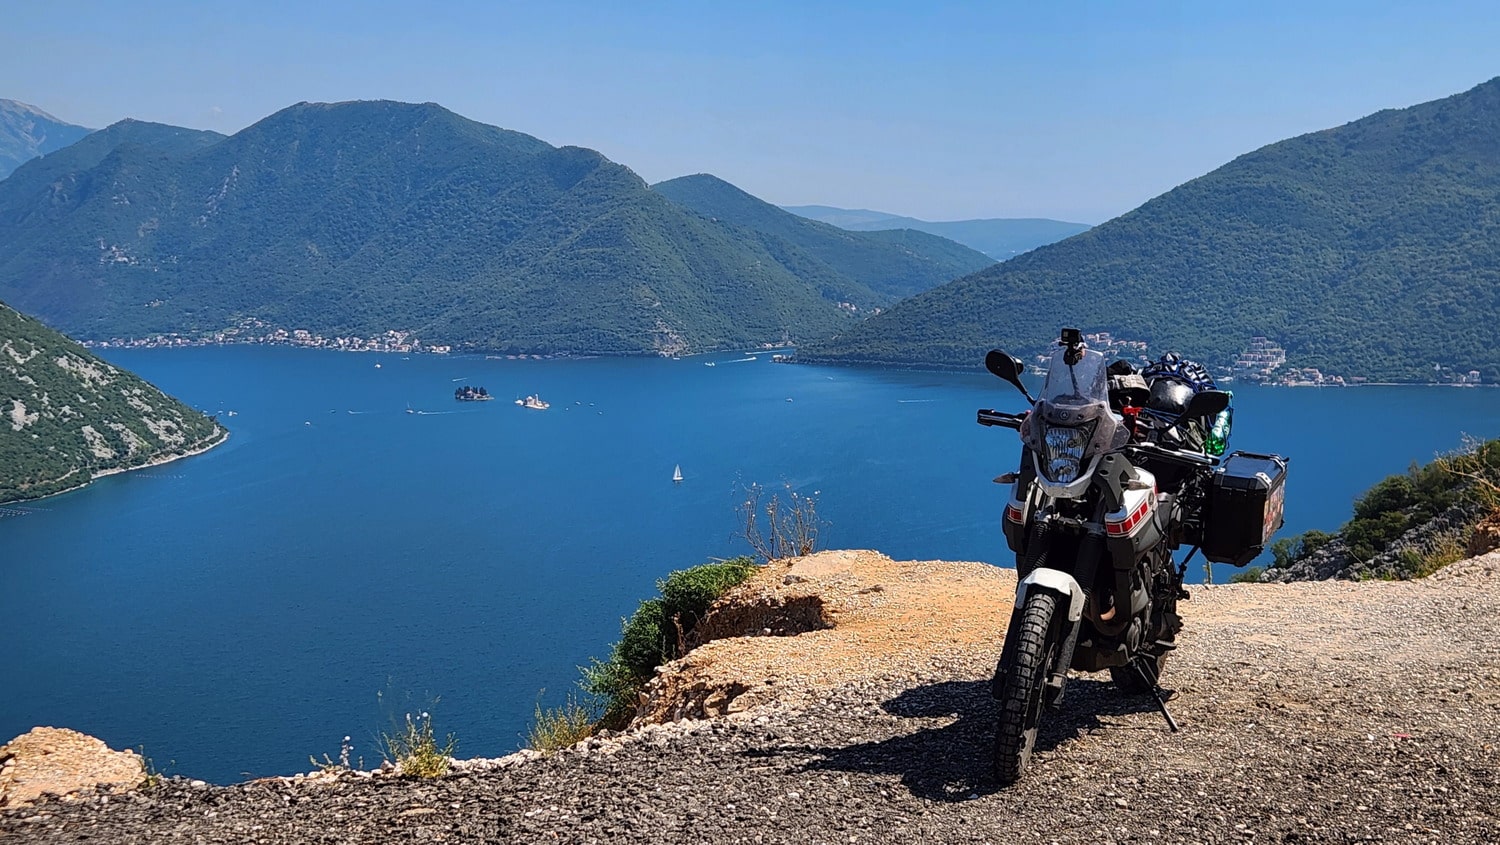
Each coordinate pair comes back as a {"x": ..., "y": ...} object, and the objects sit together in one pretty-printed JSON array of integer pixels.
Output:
[
  {"x": 929, "y": 367},
  {"x": 154, "y": 462}
]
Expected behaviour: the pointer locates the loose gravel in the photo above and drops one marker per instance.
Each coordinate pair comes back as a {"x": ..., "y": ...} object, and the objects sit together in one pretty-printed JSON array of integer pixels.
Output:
[{"x": 1319, "y": 712}]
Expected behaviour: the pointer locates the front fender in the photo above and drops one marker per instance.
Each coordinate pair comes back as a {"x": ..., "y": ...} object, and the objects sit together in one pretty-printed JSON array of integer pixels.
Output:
[{"x": 1053, "y": 581}]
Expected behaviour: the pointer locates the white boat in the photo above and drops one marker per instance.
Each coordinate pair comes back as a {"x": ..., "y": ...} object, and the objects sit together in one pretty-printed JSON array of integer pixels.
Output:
[{"x": 677, "y": 474}]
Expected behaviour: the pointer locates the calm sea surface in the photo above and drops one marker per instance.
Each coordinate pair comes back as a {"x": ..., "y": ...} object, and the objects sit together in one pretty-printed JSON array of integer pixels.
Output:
[{"x": 239, "y": 611}]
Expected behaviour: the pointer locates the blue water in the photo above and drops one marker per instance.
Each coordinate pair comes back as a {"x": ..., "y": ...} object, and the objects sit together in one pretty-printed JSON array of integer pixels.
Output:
[{"x": 236, "y": 612}]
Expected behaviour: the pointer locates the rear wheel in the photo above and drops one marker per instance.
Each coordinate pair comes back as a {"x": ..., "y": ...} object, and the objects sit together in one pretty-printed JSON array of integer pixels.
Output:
[{"x": 1021, "y": 705}]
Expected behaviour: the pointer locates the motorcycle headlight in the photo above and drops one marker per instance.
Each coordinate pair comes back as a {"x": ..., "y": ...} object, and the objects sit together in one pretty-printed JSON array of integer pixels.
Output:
[{"x": 1062, "y": 451}]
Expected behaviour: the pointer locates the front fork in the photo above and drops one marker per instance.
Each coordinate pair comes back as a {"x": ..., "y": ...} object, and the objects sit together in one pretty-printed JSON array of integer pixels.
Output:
[{"x": 1071, "y": 592}]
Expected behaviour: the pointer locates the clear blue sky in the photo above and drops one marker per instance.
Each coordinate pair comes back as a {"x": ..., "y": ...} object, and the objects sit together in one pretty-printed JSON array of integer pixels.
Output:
[{"x": 1079, "y": 111}]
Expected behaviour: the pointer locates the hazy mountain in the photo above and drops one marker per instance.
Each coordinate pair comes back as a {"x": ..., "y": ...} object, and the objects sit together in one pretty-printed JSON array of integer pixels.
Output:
[
  {"x": 27, "y": 132},
  {"x": 999, "y": 238},
  {"x": 894, "y": 264},
  {"x": 356, "y": 218},
  {"x": 1370, "y": 249},
  {"x": 66, "y": 415}
]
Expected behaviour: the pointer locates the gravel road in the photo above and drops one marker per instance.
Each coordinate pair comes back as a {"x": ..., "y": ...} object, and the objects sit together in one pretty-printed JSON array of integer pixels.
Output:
[{"x": 1320, "y": 712}]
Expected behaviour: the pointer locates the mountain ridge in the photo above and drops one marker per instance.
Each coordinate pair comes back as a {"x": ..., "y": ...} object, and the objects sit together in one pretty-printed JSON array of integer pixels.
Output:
[
  {"x": 27, "y": 132},
  {"x": 1370, "y": 250},
  {"x": 1001, "y": 238},
  {"x": 359, "y": 217}
]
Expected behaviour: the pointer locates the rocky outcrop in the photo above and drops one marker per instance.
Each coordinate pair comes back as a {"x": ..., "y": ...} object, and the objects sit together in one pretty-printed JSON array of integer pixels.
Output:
[
  {"x": 1402, "y": 560},
  {"x": 806, "y": 624},
  {"x": 62, "y": 762}
]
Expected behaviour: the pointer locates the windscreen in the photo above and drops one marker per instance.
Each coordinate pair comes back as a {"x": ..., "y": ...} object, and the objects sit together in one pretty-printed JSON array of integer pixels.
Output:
[{"x": 1083, "y": 383}]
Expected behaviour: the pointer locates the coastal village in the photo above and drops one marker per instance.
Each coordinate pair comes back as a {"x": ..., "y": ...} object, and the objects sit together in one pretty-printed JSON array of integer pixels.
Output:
[
  {"x": 261, "y": 332},
  {"x": 1262, "y": 362}
]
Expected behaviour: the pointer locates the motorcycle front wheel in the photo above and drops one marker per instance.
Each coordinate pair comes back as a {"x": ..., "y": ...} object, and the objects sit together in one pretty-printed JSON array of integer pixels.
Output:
[{"x": 1021, "y": 705}]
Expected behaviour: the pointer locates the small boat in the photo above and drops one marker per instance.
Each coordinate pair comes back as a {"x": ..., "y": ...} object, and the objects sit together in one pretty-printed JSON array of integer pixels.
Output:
[{"x": 677, "y": 474}]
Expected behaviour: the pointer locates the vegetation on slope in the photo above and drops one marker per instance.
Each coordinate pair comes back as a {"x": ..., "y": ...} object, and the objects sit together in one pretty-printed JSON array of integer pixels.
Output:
[
  {"x": 657, "y": 632},
  {"x": 894, "y": 265},
  {"x": 1408, "y": 525},
  {"x": 66, "y": 415},
  {"x": 1370, "y": 250},
  {"x": 357, "y": 218}
]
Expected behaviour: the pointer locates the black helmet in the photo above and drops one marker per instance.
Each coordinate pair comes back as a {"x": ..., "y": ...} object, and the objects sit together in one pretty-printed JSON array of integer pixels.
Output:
[
  {"x": 1177, "y": 368},
  {"x": 1169, "y": 397}
]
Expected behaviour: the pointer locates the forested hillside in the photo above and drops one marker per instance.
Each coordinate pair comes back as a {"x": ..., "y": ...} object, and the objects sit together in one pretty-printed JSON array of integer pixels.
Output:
[
  {"x": 357, "y": 218},
  {"x": 1371, "y": 250},
  {"x": 66, "y": 415},
  {"x": 894, "y": 264}
]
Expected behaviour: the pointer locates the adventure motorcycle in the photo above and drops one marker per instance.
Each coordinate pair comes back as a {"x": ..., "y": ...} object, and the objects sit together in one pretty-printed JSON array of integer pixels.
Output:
[{"x": 1100, "y": 501}]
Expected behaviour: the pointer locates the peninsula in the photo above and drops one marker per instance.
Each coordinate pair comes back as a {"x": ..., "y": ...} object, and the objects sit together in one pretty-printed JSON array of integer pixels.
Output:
[{"x": 68, "y": 417}]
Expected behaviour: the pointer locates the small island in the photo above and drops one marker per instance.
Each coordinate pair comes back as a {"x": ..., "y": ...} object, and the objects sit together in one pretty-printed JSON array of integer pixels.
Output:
[
  {"x": 472, "y": 394},
  {"x": 534, "y": 402}
]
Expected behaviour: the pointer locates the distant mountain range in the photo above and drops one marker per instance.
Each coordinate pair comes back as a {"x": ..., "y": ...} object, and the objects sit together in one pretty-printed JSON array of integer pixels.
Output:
[
  {"x": 66, "y": 416},
  {"x": 999, "y": 238},
  {"x": 894, "y": 264},
  {"x": 27, "y": 132},
  {"x": 1372, "y": 250},
  {"x": 352, "y": 219}
]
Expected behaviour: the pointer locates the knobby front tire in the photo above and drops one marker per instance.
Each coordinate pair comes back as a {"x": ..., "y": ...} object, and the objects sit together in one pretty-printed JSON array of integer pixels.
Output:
[{"x": 1021, "y": 706}]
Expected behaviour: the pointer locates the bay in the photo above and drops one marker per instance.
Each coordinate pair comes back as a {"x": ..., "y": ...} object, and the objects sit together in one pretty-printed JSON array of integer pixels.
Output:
[{"x": 362, "y": 533}]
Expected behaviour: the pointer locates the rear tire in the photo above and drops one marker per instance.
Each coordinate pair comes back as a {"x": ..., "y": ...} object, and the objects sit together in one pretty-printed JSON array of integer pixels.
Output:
[{"x": 1021, "y": 705}]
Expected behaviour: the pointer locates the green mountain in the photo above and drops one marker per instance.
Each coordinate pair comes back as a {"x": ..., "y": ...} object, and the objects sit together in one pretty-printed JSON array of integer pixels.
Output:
[
  {"x": 352, "y": 219},
  {"x": 894, "y": 265},
  {"x": 1372, "y": 249},
  {"x": 27, "y": 132},
  {"x": 1000, "y": 238},
  {"x": 66, "y": 416}
]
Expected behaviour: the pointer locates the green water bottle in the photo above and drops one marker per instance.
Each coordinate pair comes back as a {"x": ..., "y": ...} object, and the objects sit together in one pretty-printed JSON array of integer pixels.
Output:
[{"x": 1218, "y": 433}]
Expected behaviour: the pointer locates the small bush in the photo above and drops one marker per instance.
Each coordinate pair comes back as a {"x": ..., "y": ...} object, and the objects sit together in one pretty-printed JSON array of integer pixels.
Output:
[
  {"x": 415, "y": 749},
  {"x": 791, "y": 528},
  {"x": 657, "y": 633},
  {"x": 556, "y": 728},
  {"x": 1249, "y": 576}
]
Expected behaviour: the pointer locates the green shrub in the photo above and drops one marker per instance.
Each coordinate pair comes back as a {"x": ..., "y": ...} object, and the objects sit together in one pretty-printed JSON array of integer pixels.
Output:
[
  {"x": 1248, "y": 576},
  {"x": 656, "y": 631},
  {"x": 688, "y": 593},
  {"x": 1393, "y": 493}
]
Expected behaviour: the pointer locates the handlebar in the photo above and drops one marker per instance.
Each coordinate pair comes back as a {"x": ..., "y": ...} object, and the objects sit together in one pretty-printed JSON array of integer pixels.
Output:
[
  {"x": 1193, "y": 459},
  {"x": 1000, "y": 418}
]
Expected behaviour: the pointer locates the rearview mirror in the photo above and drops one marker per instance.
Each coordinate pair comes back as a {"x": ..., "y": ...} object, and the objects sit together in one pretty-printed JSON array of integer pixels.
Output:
[{"x": 1008, "y": 367}]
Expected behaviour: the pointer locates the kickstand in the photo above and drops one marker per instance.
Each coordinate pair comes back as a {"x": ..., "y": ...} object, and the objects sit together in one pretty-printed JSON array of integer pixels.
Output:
[{"x": 1149, "y": 680}]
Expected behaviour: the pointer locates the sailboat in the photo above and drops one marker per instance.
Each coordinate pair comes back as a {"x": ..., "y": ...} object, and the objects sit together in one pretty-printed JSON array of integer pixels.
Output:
[{"x": 677, "y": 474}]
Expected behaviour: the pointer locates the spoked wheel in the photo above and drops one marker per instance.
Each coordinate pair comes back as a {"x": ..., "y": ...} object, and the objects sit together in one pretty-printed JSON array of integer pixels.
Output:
[
  {"x": 1128, "y": 680},
  {"x": 1021, "y": 706}
]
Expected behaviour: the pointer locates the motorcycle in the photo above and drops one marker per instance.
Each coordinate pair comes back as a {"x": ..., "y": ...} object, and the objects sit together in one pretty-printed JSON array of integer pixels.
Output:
[{"x": 1100, "y": 502}]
